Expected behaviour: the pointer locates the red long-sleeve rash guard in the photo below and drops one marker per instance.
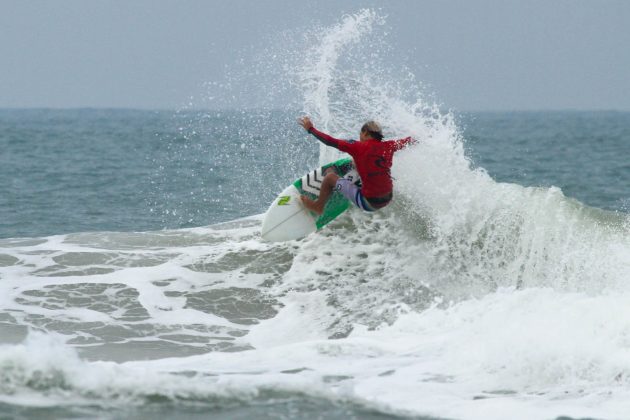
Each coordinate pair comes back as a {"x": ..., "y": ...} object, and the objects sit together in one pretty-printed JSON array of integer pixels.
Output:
[{"x": 373, "y": 159}]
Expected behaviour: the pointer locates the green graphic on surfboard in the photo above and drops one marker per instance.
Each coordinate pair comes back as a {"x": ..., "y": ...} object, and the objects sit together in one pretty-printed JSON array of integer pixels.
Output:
[{"x": 288, "y": 219}]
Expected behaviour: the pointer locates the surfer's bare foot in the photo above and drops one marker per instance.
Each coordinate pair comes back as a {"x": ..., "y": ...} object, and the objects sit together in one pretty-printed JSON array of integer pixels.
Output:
[{"x": 311, "y": 205}]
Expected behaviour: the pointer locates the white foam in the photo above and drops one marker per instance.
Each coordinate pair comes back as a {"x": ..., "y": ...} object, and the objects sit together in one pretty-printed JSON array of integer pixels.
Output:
[{"x": 288, "y": 326}]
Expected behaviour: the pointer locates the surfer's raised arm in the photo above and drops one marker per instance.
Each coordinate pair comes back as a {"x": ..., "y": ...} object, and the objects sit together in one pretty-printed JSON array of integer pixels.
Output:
[
  {"x": 327, "y": 139},
  {"x": 402, "y": 143}
]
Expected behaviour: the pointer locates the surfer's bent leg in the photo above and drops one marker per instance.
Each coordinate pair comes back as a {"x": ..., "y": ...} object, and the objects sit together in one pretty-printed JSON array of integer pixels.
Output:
[{"x": 328, "y": 186}]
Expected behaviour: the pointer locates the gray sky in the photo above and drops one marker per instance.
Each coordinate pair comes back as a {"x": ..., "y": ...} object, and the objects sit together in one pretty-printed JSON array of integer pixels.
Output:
[{"x": 474, "y": 55}]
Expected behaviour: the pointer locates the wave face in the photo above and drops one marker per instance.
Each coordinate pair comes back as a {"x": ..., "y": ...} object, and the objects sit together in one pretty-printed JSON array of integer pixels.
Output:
[
  {"x": 465, "y": 298},
  {"x": 482, "y": 234}
]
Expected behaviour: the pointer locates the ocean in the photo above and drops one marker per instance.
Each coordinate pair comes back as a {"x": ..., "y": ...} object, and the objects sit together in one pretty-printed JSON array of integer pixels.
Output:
[{"x": 134, "y": 282}]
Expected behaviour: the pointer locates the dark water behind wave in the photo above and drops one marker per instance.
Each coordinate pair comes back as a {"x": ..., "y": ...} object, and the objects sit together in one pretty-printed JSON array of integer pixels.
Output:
[
  {"x": 128, "y": 170},
  {"x": 583, "y": 153},
  {"x": 120, "y": 170}
]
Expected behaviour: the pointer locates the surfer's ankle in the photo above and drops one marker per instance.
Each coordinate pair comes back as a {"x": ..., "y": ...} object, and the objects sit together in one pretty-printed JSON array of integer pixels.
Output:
[{"x": 308, "y": 203}]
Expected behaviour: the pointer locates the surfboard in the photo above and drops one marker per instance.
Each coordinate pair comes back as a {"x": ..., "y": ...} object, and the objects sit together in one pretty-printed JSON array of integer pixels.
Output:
[{"x": 288, "y": 219}]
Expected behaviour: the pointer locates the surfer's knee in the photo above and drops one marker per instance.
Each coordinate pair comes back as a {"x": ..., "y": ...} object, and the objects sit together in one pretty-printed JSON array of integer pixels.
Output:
[{"x": 331, "y": 178}]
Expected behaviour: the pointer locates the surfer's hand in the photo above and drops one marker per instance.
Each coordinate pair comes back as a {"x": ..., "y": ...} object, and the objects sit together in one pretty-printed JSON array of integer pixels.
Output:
[{"x": 306, "y": 123}]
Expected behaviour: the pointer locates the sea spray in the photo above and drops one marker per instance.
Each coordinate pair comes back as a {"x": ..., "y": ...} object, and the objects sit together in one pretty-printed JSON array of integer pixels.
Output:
[
  {"x": 483, "y": 234},
  {"x": 318, "y": 78}
]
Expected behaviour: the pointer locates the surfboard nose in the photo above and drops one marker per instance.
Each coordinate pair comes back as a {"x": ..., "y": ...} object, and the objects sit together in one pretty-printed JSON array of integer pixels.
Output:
[{"x": 287, "y": 218}]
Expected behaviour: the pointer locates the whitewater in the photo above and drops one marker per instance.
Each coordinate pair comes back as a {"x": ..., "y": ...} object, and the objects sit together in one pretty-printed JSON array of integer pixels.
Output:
[{"x": 466, "y": 298}]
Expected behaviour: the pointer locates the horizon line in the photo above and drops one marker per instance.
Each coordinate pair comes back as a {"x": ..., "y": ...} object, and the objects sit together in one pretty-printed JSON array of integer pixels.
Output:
[{"x": 229, "y": 109}]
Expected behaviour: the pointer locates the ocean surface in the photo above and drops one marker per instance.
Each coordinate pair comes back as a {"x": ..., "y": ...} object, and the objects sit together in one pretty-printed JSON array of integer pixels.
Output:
[{"x": 134, "y": 282}]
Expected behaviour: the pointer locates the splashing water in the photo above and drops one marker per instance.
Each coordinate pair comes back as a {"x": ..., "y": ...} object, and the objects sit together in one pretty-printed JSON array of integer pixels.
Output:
[{"x": 484, "y": 234}]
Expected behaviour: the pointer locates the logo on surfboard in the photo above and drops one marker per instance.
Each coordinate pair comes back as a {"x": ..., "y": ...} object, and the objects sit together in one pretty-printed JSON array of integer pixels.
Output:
[{"x": 284, "y": 200}]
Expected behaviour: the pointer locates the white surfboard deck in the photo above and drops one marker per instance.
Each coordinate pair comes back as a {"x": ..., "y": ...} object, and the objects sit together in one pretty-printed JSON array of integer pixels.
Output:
[{"x": 287, "y": 218}]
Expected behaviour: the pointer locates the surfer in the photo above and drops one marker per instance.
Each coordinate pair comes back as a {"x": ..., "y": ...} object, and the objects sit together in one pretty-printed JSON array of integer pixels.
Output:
[{"x": 373, "y": 160}]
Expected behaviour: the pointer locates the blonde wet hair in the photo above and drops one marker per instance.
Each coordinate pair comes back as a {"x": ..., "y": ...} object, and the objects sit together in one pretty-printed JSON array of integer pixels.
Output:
[{"x": 373, "y": 129}]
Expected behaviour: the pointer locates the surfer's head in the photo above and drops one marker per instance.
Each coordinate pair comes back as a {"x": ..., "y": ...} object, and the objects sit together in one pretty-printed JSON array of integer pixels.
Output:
[{"x": 372, "y": 130}]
